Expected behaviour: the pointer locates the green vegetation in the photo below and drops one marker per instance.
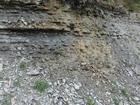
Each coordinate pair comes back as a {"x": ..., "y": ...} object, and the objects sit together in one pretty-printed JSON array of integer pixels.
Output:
[
  {"x": 132, "y": 65},
  {"x": 90, "y": 102},
  {"x": 132, "y": 4},
  {"x": 116, "y": 101},
  {"x": 40, "y": 85},
  {"x": 1, "y": 78},
  {"x": 16, "y": 82},
  {"x": 129, "y": 4},
  {"x": 6, "y": 99},
  {"x": 5, "y": 102},
  {"x": 125, "y": 92},
  {"x": 113, "y": 89},
  {"x": 138, "y": 55},
  {"x": 139, "y": 83},
  {"x": 23, "y": 65}
]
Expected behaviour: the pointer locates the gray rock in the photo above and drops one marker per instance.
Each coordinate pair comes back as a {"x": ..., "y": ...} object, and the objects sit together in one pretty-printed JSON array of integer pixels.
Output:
[
  {"x": 1, "y": 67},
  {"x": 136, "y": 98},
  {"x": 33, "y": 73},
  {"x": 77, "y": 85}
]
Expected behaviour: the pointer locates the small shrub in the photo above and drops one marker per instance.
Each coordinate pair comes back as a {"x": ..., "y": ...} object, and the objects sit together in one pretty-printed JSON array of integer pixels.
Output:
[
  {"x": 40, "y": 85},
  {"x": 139, "y": 83},
  {"x": 125, "y": 92}
]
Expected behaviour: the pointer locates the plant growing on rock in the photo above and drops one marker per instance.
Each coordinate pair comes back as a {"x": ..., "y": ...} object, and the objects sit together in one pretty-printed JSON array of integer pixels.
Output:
[
  {"x": 116, "y": 101},
  {"x": 125, "y": 92},
  {"x": 40, "y": 85},
  {"x": 23, "y": 65},
  {"x": 90, "y": 102},
  {"x": 16, "y": 82}
]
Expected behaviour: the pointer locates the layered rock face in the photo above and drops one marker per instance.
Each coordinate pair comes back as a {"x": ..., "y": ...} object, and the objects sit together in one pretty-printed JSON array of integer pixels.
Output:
[
  {"x": 83, "y": 27},
  {"x": 21, "y": 1}
]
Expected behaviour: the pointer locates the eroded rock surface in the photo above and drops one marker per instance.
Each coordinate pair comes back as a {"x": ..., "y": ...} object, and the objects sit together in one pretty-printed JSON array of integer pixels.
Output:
[{"x": 80, "y": 56}]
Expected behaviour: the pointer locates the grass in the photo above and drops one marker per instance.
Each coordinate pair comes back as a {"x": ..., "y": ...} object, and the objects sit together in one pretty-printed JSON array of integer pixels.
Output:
[
  {"x": 23, "y": 65},
  {"x": 138, "y": 74},
  {"x": 132, "y": 65},
  {"x": 1, "y": 78},
  {"x": 126, "y": 39},
  {"x": 113, "y": 89},
  {"x": 40, "y": 85},
  {"x": 5, "y": 102},
  {"x": 116, "y": 101},
  {"x": 114, "y": 82},
  {"x": 125, "y": 92},
  {"x": 131, "y": 4},
  {"x": 139, "y": 83},
  {"x": 138, "y": 55},
  {"x": 16, "y": 82},
  {"x": 6, "y": 99},
  {"x": 90, "y": 102}
]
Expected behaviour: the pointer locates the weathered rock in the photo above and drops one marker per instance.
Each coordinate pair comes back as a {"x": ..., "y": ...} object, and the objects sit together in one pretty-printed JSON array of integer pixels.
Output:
[
  {"x": 33, "y": 73},
  {"x": 1, "y": 67},
  {"x": 77, "y": 86}
]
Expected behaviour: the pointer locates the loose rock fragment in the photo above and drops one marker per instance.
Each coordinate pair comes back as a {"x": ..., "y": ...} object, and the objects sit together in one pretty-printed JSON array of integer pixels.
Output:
[
  {"x": 1, "y": 67},
  {"x": 33, "y": 73}
]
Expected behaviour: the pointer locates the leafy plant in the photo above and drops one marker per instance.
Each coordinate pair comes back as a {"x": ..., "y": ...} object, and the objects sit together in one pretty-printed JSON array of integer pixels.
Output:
[
  {"x": 113, "y": 89},
  {"x": 139, "y": 83},
  {"x": 23, "y": 65},
  {"x": 125, "y": 92},
  {"x": 1, "y": 78},
  {"x": 116, "y": 101},
  {"x": 90, "y": 102},
  {"x": 40, "y": 85},
  {"x": 6, "y": 98},
  {"x": 16, "y": 82},
  {"x": 5, "y": 102}
]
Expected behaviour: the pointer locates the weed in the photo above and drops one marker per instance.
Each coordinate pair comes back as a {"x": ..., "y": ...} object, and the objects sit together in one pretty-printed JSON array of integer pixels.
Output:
[
  {"x": 40, "y": 85},
  {"x": 131, "y": 4},
  {"x": 113, "y": 89},
  {"x": 139, "y": 83},
  {"x": 5, "y": 102},
  {"x": 124, "y": 91},
  {"x": 138, "y": 55},
  {"x": 132, "y": 65},
  {"x": 1, "y": 78},
  {"x": 16, "y": 82},
  {"x": 116, "y": 101},
  {"x": 138, "y": 48},
  {"x": 6, "y": 98},
  {"x": 126, "y": 39},
  {"x": 90, "y": 102},
  {"x": 113, "y": 82},
  {"x": 130, "y": 36},
  {"x": 23, "y": 65}
]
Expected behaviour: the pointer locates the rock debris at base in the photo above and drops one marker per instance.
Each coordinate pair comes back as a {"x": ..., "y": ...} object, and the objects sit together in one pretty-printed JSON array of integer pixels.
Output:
[{"x": 95, "y": 58}]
